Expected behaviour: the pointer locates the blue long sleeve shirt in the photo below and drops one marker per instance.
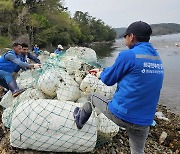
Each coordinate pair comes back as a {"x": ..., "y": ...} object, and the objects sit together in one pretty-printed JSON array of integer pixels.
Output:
[
  {"x": 139, "y": 74},
  {"x": 16, "y": 60},
  {"x": 11, "y": 62},
  {"x": 34, "y": 58},
  {"x": 30, "y": 56}
]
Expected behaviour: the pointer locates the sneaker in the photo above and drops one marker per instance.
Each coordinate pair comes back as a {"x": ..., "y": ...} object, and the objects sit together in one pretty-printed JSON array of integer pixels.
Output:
[{"x": 80, "y": 117}]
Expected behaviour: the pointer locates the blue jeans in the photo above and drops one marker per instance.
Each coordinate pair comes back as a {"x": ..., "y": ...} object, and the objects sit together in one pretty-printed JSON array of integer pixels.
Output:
[
  {"x": 5, "y": 78},
  {"x": 137, "y": 134}
]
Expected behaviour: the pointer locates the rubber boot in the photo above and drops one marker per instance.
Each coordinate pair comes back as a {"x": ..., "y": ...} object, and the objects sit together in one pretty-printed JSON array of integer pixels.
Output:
[
  {"x": 14, "y": 88},
  {"x": 81, "y": 115}
]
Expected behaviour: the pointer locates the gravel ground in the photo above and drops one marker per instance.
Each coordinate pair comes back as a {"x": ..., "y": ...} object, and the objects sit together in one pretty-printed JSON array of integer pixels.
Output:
[{"x": 119, "y": 144}]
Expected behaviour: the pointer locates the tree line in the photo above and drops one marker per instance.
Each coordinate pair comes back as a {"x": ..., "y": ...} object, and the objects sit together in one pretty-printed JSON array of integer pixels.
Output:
[{"x": 48, "y": 23}]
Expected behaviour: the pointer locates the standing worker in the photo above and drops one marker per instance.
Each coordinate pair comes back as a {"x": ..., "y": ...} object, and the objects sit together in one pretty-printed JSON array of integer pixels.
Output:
[
  {"x": 25, "y": 54},
  {"x": 36, "y": 49},
  {"x": 11, "y": 63},
  {"x": 139, "y": 74}
]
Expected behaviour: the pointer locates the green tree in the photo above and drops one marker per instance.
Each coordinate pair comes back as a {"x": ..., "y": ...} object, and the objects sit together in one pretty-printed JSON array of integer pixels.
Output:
[
  {"x": 93, "y": 29},
  {"x": 47, "y": 22}
]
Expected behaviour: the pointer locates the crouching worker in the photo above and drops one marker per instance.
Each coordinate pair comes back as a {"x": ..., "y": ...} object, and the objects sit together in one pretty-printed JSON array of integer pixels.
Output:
[
  {"x": 139, "y": 74},
  {"x": 11, "y": 63},
  {"x": 25, "y": 54}
]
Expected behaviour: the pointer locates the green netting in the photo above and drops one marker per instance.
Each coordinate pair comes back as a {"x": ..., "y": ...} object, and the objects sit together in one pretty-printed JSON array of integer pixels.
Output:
[{"x": 41, "y": 118}]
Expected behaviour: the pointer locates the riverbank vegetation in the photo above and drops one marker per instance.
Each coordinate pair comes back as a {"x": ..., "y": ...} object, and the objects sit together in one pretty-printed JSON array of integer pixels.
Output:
[{"x": 48, "y": 23}]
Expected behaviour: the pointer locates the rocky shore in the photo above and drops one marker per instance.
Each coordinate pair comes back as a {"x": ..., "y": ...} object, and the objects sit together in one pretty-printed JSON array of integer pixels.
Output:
[{"x": 119, "y": 144}]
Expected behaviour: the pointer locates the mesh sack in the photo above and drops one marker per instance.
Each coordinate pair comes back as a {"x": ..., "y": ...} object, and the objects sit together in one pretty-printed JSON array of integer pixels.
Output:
[
  {"x": 72, "y": 63},
  {"x": 48, "y": 125},
  {"x": 27, "y": 95},
  {"x": 106, "y": 127},
  {"x": 7, "y": 100},
  {"x": 91, "y": 84},
  {"x": 86, "y": 54},
  {"x": 26, "y": 79},
  {"x": 48, "y": 82},
  {"x": 41, "y": 118},
  {"x": 57, "y": 82}
]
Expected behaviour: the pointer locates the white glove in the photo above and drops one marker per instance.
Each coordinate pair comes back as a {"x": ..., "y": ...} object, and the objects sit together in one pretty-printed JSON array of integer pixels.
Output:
[{"x": 36, "y": 66}]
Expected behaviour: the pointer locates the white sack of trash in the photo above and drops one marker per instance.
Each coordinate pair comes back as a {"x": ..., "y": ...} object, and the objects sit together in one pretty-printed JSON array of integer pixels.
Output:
[
  {"x": 41, "y": 118},
  {"x": 10, "y": 109},
  {"x": 86, "y": 54},
  {"x": 50, "y": 126}
]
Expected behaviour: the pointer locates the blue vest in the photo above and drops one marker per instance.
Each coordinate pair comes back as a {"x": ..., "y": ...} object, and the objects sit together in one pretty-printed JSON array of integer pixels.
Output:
[
  {"x": 23, "y": 58},
  {"x": 7, "y": 65},
  {"x": 139, "y": 74},
  {"x": 36, "y": 50}
]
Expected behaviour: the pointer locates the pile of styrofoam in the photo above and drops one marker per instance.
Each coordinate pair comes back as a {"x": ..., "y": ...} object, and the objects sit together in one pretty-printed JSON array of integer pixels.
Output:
[
  {"x": 11, "y": 103},
  {"x": 92, "y": 84},
  {"x": 26, "y": 79},
  {"x": 57, "y": 82},
  {"x": 41, "y": 118}
]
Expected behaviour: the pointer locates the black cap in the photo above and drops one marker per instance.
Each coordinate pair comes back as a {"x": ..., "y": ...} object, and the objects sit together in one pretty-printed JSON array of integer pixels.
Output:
[{"x": 139, "y": 29}]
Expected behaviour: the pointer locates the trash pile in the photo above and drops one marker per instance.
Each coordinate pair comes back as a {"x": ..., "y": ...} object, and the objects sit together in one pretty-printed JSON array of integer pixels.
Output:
[{"x": 41, "y": 118}]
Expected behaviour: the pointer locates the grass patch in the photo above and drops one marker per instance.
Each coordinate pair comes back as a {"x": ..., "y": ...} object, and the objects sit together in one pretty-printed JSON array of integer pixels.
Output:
[
  {"x": 6, "y": 4},
  {"x": 4, "y": 43}
]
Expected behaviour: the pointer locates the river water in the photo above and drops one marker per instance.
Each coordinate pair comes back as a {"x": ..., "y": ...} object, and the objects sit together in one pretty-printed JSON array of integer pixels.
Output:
[{"x": 170, "y": 55}]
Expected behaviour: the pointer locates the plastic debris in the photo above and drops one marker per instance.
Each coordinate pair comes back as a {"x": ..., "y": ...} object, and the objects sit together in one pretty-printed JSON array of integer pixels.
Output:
[
  {"x": 162, "y": 137},
  {"x": 160, "y": 115}
]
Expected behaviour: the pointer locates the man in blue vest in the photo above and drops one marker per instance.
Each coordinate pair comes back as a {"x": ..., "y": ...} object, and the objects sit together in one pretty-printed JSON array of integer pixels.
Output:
[
  {"x": 36, "y": 49},
  {"x": 139, "y": 74},
  {"x": 11, "y": 63},
  {"x": 26, "y": 54}
]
